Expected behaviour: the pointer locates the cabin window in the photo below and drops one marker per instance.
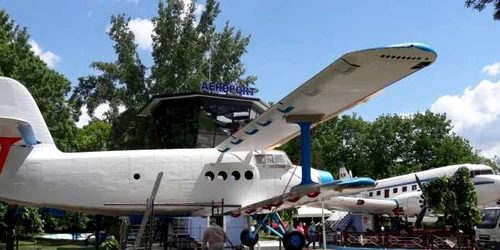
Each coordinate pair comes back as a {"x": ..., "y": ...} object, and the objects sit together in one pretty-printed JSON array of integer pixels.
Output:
[
  {"x": 370, "y": 194},
  {"x": 386, "y": 193},
  {"x": 378, "y": 193},
  {"x": 209, "y": 176},
  {"x": 395, "y": 190},
  {"x": 137, "y": 176},
  {"x": 236, "y": 175},
  {"x": 248, "y": 175},
  {"x": 222, "y": 175},
  {"x": 413, "y": 187},
  {"x": 405, "y": 188}
]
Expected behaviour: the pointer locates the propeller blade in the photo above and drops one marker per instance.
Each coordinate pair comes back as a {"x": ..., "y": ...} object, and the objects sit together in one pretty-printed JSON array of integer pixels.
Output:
[
  {"x": 419, "y": 184},
  {"x": 420, "y": 217}
]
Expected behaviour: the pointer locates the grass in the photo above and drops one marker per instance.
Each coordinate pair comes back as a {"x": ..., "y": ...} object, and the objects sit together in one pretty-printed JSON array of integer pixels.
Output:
[{"x": 46, "y": 244}]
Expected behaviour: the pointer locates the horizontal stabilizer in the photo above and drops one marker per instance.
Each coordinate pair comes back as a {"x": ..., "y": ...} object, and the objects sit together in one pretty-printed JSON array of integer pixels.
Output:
[
  {"x": 17, "y": 128},
  {"x": 14, "y": 132}
]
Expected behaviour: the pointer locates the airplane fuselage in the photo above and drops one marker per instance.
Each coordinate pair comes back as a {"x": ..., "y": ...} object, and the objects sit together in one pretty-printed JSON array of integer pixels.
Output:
[
  {"x": 103, "y": 182},
  {"x": 402, "y": 194}
]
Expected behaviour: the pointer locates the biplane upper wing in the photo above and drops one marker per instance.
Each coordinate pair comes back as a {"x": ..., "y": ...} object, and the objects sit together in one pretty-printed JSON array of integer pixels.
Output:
[{"x": 350, "y": 80}]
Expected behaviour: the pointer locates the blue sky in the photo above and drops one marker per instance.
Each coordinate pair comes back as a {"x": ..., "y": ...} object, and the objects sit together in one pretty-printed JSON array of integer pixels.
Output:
[{"x": 293, "y": 40}]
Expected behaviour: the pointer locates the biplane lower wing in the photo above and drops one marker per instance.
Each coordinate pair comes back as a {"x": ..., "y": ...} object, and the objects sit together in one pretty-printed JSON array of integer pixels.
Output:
[
  {"x": 352, "y": 79},
  {"x": 309, "y": 194}
]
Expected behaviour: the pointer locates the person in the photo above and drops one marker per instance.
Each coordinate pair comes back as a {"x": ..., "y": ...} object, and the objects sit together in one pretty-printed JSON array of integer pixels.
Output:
[
  {"x": 215, "y": 236},
  {"x": 312, "y": 235}
]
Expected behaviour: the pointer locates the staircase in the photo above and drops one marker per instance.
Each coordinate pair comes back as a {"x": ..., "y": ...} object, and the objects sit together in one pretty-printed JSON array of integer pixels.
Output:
[
  {"x": 148, "y": 236},
  {"x": 343, "y": 224}
]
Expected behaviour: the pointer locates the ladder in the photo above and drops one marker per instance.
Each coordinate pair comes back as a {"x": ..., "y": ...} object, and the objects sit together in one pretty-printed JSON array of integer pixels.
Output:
[{"x": 145, "y": 232}]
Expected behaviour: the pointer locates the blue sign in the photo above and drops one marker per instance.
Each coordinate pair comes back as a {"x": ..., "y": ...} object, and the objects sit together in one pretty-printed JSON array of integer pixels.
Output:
[{"x": 227, "y": 88}]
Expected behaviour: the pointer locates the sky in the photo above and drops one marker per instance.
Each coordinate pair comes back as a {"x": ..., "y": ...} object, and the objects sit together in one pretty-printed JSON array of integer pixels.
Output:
[{"x": 293, "y": 40}]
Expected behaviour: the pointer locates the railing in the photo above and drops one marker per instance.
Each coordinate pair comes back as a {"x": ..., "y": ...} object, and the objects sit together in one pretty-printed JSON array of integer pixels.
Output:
[{"x": 412, "y": 240}]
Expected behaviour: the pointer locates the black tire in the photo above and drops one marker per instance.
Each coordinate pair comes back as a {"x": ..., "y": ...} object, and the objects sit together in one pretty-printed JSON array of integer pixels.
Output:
[
  {"x": 245, "y": 239},
  {"x": 294, "y": 240}
]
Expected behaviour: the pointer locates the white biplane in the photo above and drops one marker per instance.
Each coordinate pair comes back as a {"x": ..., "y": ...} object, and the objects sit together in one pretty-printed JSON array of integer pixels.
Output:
[{"x": 244, "y": 170}]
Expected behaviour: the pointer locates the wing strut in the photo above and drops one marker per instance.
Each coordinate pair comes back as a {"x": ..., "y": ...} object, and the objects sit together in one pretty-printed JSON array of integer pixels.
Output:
[{"x": 305, "y": 122}]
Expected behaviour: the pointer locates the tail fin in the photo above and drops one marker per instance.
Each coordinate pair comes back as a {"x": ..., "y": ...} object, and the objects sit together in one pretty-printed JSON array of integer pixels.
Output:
[
  {"x": 343, "y": 173},
  {"x": 21, "y": 122}
]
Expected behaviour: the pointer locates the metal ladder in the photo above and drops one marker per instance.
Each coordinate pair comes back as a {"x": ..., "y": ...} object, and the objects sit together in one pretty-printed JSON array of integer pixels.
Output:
[{"x": 145, "y": 233}]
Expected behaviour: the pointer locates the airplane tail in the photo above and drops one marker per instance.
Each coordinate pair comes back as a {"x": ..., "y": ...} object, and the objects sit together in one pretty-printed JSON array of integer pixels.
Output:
[
  {"x": 343, "y": 173},
  {"x": 21, "y": 122}
]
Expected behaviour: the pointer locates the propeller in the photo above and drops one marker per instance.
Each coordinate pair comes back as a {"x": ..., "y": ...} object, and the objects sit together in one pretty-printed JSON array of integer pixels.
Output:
[{"x": 420, "y": 217}]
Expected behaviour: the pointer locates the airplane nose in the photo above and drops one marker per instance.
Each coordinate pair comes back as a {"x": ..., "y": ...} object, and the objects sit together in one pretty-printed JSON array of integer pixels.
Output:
[{"x": 325, "y": 176}]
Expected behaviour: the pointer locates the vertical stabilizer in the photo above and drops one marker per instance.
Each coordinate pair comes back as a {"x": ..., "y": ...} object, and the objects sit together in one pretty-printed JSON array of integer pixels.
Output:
[
  {"x": 343, "y": 173},
  {"x": 20, "y": 115}
]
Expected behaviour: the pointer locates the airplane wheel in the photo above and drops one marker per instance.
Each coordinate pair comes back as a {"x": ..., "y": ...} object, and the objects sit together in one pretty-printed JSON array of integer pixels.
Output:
[
  {"x": 246, "y": 240},
  {"x": 294, "y": 240}
]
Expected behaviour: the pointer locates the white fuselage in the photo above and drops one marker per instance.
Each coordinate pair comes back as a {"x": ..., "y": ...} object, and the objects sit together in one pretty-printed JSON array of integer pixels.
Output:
[
  {"x": 89, "y": 181},
  {"x": 482, "y": 175},
  {"x": 402, "y": 194}
]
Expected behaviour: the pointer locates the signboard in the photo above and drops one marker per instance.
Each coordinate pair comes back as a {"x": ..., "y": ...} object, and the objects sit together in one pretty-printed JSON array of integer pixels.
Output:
[{"x": 227, "y": 88}]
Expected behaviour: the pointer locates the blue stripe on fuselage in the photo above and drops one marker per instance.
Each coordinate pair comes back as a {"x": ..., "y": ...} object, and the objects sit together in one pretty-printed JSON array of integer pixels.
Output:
[{"x": 423, "y": 181}]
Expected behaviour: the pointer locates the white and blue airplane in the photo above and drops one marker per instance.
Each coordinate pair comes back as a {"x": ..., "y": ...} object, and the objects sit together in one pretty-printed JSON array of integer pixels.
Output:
[
  {"x": 244, "y": 170},
  {"x": 402, "y": 195}
]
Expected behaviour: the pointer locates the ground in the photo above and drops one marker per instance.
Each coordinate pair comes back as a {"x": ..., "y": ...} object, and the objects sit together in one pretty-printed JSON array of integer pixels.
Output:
[{"x": 46, "y": 244}]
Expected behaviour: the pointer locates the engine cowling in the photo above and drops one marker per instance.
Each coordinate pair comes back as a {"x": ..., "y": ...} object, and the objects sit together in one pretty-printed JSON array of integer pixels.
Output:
[{"x": 410, "y": 203}]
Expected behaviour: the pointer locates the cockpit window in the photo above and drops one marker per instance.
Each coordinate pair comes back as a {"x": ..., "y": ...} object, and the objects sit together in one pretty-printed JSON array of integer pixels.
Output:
[
  {"x": 474, "y": 173},
  {"x": 273, "y": 160}
]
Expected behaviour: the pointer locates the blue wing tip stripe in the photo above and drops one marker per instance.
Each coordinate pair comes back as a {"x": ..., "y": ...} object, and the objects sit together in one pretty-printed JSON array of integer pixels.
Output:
[{"x": 420, "y": 46}]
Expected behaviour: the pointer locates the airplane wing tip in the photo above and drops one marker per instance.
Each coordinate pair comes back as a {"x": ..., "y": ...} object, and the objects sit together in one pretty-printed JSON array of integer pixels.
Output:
[{"x": 421, "y": 46}]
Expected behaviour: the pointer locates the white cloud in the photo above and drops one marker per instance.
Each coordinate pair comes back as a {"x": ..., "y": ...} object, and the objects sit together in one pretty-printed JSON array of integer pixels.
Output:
[
  {"x": 98, "y": 113},
  {"x": 492, "y": 69},
  {"x": 198, "y": 9},
  {"x": 475, "y": 115},
  {"x": 142, "y": 29},
  {"x": 48, "y": 57}
]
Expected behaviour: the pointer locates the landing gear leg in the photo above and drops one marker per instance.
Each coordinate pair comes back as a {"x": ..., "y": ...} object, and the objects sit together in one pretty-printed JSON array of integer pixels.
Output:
[
  {"x": 292, "y": 240},
  {"x": 97, "y": 230}
]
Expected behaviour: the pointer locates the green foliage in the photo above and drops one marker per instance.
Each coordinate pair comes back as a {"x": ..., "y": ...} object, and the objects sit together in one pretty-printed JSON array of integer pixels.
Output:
[
  {"x": 48, "y": 87},
  {"x": 75, "y": 221},
  {"x": 185, "y": 52},
  {"x": 30, "y": 223},
  {"x": 110, "y": 244},
  {"x": 455, "y": 198},
  {"x": 390, "y": 145},
  {"x": 479, "y": 5},
  {"x": 49, "y": 90},
  {"x": 287, "y": 215},
  {"x": 94, "y": 136}
]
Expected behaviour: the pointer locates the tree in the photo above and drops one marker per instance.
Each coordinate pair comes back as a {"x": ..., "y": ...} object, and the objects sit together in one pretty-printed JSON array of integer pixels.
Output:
[
  {"x": 49, "y": 89},
  {"x": 455, "y": 198},
  {"x": 94, "y": 136},
  {"x": 185, "y": 52},
  {"x": 479, "y": 5},
  {"x": 390, "y": 145}
]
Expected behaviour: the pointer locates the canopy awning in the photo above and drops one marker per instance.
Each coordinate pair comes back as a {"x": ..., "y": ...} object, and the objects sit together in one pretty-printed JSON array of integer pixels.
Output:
[{"x": 306, "y": 211}]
